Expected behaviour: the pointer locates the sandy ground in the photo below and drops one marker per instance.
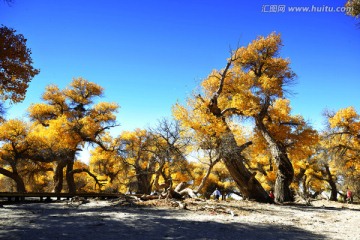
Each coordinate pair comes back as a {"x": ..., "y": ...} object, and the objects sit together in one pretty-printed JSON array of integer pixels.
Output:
[{"x": 202, "y": 220}]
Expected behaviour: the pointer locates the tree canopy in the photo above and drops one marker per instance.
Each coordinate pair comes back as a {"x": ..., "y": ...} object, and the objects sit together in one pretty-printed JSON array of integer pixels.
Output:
[{"x": 16, "y": 65}]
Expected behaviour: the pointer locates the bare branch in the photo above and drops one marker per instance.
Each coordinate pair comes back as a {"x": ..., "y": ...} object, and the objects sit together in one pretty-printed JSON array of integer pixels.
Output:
[
  {"x": 223, "y": 76},
  {"x": 244, "y": 146},
  {"x": 232, "y": 110},
  {"x": 222, "y": 79},
  {"x": 201, "y": 98},
  {"x": 290, "y": 123},
  {"x": 338, "y": 133}
]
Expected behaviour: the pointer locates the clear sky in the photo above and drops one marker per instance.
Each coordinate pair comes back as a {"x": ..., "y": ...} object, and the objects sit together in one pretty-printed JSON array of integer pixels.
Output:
[{"x": 150, "y": 54}]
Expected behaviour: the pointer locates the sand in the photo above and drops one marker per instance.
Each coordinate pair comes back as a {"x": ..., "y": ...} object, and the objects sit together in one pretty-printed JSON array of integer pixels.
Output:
[{"x": 105, "y": 219}]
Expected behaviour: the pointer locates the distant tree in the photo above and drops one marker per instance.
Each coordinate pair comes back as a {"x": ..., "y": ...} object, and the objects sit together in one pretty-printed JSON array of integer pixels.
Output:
[
  {"x": 354, "y": 5},
  {"x": 16, "y": 70},
  {"x": 322, "y": 171},
  {"x": 170, "y": 145},
  {"x": 109, "y": 166},
  {"x": 344, "y": 142},
  {"x": 133, "y": 147}
]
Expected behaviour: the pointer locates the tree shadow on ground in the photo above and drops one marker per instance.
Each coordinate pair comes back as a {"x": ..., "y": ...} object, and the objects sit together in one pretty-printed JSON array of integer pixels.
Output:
[
  {"x": 294, "y": 206},
  {"x": 41, "y": 221},
  {"x": 303, "y": 207}
]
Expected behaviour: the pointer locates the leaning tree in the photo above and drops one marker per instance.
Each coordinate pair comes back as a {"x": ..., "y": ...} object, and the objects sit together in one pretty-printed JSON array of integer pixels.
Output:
[{"x": 251, "y": 86}]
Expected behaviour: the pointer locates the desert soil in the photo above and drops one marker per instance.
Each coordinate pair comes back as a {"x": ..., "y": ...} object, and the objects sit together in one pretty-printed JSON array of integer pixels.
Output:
[{"x": 105, "y": 219}]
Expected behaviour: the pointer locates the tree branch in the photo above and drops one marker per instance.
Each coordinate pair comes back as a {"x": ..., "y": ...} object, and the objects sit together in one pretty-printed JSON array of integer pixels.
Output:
[
  {"x": 80, "y": 170},
  {"x": 201, "y": 98},
  {"x": 213, "y": 104},
  {"x": 223, "y": 75},
  {"x": 232, "y": 110},
  {"x": 244, "y": 146},
  {"x": 290, "y": 123}
]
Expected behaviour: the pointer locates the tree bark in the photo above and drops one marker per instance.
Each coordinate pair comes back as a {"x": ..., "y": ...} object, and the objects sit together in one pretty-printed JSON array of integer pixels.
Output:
[
  {"x": 305, "y": 187},
  {"x": 70, "y": 177},
  {"x": 285, "y": 173},
  {"x": 248, "y": 185},
  {"x": 300, "y": 179},
  {"x": 330, "y": 180},
  {"x": 20, "y": 186},
  {"x": 58, "y": 176},
  {"x": 144, "y": 183}
]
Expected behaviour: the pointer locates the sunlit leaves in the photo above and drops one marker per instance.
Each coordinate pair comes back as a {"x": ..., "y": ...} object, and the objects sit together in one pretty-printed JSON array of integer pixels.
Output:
[
  {"x": 343, "y": 139},
  {"x": 198, "y": 118},
  {"x": 13, "y": 130},
  {"x": 346, "y": 118},
  {"x": 82, "y": 91},
  {"x": 260, "y": 59}
]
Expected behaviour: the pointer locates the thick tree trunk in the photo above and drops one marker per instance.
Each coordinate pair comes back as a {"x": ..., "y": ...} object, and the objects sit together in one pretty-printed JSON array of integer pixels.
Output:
[
  {"x": 330, "y": 180},
  {"x": 284, "y": 176},
  {"x": 144, "y": 183},
  {"x": 248, "y": 185},
  {"x": 70, "y": 177},
  {"x": 20, "y": 185},
  {"x": 285, "y": 173},
  {"x": 58, "y": 176}
]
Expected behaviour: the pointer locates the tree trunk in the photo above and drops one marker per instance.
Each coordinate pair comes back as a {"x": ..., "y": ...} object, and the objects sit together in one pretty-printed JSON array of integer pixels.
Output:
[
  {"x": 285, "y": 173},
  {"x": 70, "y": 177},
  {"x": 248, "y": 185},
  {"x": 330, "y": 180},
  {"x": 305, "y": 187},
  {"x": 144, "y": 183},
  {"x": 58, "y": 176},
  {"x": 300, "y": 179},
  {"x": 158, "y": 187},
  {"x": 183, "y": 190},
  {"x": 20, "y": 185}
]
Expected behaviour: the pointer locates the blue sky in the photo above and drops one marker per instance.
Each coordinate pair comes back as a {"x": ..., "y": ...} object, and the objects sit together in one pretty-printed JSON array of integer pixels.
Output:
[{"x": 150, "y": 54}]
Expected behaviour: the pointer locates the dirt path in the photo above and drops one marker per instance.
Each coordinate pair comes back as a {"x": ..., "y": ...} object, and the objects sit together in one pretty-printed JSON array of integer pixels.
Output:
[{"x": 203, "y": 220}]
